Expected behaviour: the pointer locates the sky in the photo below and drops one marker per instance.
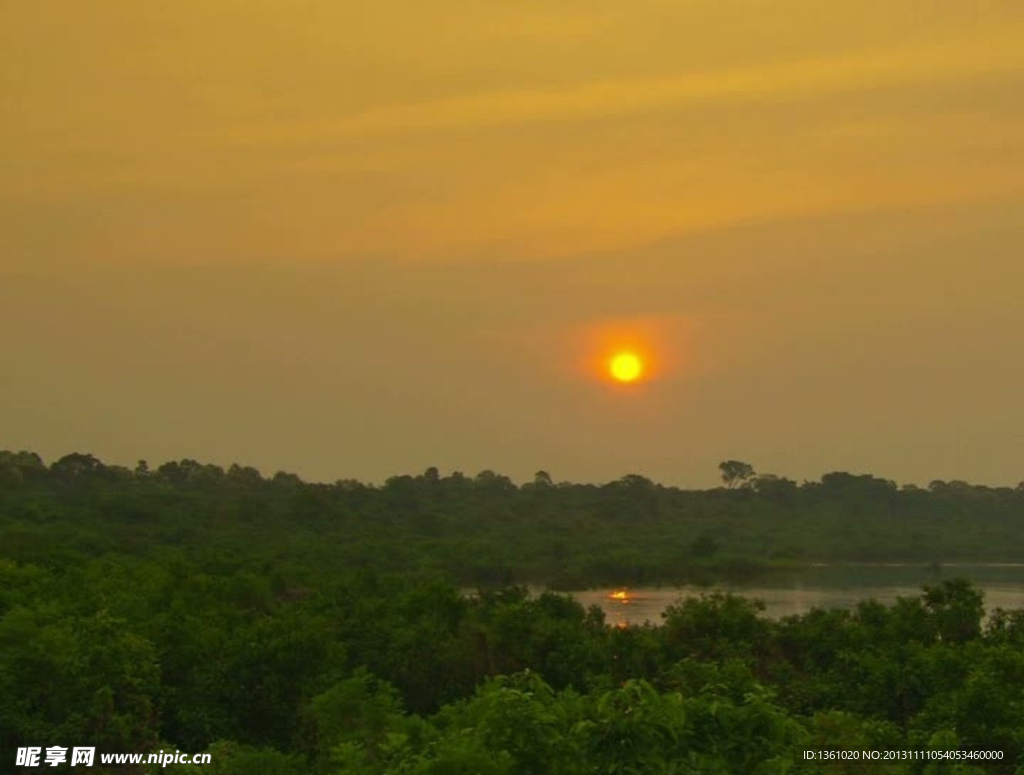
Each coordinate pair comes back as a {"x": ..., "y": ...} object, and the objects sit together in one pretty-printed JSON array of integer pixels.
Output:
[{"x": 354, "y": 240}]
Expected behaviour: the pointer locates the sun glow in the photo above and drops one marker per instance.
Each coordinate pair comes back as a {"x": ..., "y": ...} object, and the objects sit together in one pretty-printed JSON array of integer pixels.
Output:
[
  {"x": 621, "y": 595},
  {"x": 627, "y": 354},
  {"x": 626, "y": 367}
]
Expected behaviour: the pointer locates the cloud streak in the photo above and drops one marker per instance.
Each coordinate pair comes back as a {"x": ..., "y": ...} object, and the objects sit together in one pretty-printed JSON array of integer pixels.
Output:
[{"x": 995, "y": 51}]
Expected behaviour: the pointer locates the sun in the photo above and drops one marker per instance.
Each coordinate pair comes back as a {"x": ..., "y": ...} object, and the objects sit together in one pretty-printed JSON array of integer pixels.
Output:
[{"x": 625, "y": 367}]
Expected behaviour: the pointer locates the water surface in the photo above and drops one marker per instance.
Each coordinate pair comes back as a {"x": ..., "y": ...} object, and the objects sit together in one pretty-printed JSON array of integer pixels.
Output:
[{"x": 825, "y": 586}]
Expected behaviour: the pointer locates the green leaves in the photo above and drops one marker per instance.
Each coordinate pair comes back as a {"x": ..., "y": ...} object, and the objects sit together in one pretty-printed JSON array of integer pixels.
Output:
[{"x": 309, "y": 628}]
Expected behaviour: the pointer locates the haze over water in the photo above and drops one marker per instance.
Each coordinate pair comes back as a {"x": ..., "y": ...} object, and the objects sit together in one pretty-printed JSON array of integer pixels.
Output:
[{"x": 821, "y": 587}]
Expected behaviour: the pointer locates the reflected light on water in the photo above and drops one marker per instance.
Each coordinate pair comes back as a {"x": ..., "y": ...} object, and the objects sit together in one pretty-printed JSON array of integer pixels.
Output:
[{"x": 635, "y": 607}]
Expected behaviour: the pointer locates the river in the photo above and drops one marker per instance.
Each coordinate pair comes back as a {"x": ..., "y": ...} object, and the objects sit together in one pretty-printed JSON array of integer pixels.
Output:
[{"x": 824, "y": 586}]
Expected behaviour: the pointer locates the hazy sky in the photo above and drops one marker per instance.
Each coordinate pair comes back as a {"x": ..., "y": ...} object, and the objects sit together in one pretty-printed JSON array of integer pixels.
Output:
[{"x": 354, "y": 239}]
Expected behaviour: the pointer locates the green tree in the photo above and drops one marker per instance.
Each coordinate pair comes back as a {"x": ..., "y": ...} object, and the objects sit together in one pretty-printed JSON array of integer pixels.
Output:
[
  {"x": 957, "y": 609},
  {"x": 735, "y": 473}
]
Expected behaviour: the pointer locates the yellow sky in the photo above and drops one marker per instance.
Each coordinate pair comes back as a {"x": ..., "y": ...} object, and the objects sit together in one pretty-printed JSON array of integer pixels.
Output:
[{"x": 354, "y": 239}]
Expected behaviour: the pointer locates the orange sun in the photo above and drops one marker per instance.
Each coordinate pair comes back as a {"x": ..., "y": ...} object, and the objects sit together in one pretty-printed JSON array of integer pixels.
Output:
[{"x": 625, "y": 366}]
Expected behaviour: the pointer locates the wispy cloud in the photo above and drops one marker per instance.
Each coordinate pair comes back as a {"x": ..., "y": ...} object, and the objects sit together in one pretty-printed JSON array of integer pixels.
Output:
[{"x": 994, "y": 51}]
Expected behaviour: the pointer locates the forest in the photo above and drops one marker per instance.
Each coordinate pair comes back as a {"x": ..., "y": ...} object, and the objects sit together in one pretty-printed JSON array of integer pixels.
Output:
[{"x": 292, "y": 627}]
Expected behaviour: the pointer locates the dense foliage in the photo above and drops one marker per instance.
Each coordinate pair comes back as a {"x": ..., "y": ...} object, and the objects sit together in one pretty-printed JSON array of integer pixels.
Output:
[
  {"x": 299, "y": 628},
  {"x": 486, "y": 530}
]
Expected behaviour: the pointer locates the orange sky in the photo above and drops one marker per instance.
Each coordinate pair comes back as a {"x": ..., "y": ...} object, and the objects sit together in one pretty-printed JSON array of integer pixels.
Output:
[{"x": 353, "y": 240}]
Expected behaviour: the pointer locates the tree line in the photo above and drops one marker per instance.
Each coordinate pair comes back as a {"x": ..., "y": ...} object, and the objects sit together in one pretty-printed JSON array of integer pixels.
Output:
[
  {"x": 290, "y": 627},
  {"x": 485, "y": 529}
]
